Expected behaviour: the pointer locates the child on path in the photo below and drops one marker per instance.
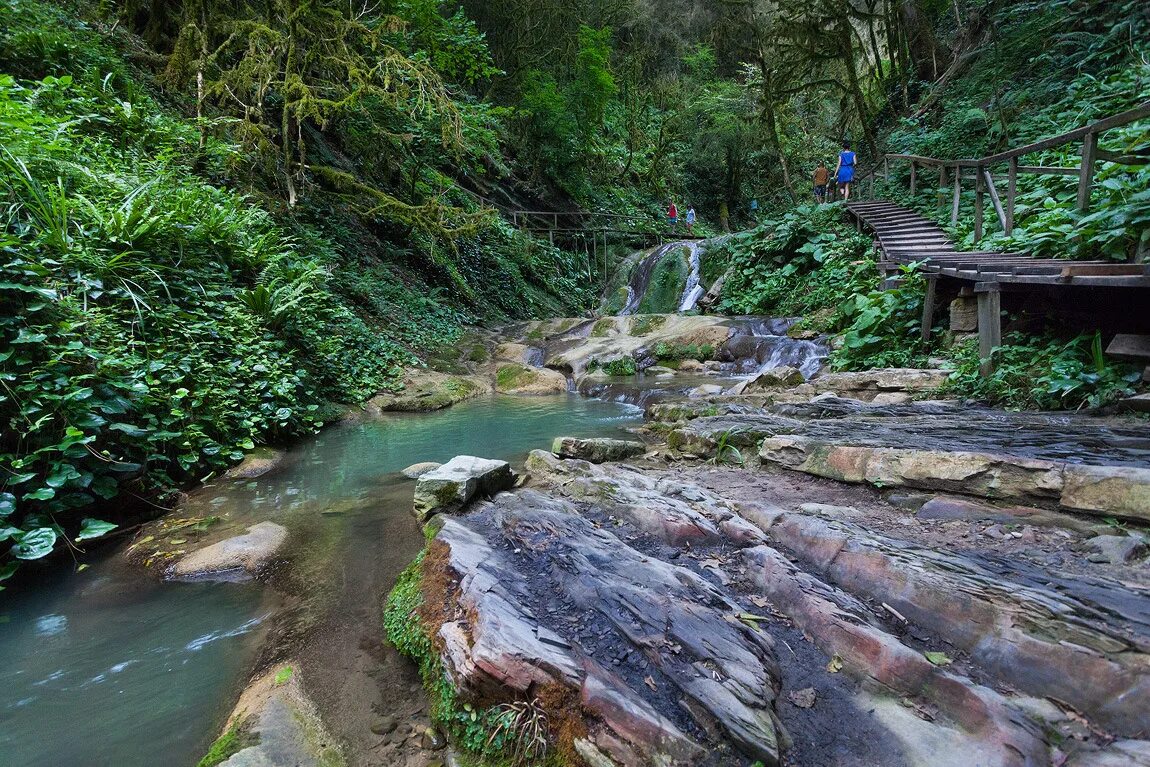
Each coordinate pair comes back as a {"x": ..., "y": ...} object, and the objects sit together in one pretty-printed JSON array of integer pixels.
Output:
[
  {"x": 822, "y": 175},
  {"x": 673, "y": 216},
  {"x": 845, "y": 171},
  {"x": 691, "y": 220}
]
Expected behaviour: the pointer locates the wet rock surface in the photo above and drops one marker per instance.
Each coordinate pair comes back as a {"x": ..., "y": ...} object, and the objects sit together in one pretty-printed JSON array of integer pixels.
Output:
[
  {"x": 245, "y": 554},
  {"x": 597, "y": 450},
  {"x": 723, "y": 608},
  {"x": 450, "y": 487}
]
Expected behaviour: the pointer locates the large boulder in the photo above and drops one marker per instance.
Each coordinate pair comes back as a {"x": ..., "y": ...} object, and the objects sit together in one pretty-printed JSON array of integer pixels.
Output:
[
  {"x": 417, "y": 470},
  {"x": 598, "y": 450},
  {"x": 424, "y": 391},
  {"x": 452, "y": 486},
  {"x": 773, "y": 378},
  {"x": 247, "y": 553},
  {"x": 521, "y": 379}
]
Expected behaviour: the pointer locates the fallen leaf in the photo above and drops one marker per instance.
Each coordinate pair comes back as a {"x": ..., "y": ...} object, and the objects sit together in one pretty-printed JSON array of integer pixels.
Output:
[
  {"x": 758, "y": 601},
  {"x": 938, "y": 658},
  {"x": 835, "y": 665},
  {"x": 178, "y": 541},
  {"x": 650, "y": 683},
  {"x": 804, "y": 698}
]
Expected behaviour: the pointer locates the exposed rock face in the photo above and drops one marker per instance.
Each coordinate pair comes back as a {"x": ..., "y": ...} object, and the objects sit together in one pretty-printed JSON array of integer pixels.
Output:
[
  {"x": 597, "y": 450},
  {"x": 424, "y": 391},
  {"x": 520, "y": 379},
  {"x": 773, "y": 378},
  {"x": 724, "y": 671},
  {"x": 677, "y": 619},
  {"x": 281, "y": 725},
  {"x": 531, "y": 356},
  {"x": 417, "y": 470},
  {"x": 247, "y": 553},
  {"x": 1116, "y": 549},
  {"x": 1029, "y": 458},
  {"x": 257, "y": 463},
  {"x": 452, "y": 486}
]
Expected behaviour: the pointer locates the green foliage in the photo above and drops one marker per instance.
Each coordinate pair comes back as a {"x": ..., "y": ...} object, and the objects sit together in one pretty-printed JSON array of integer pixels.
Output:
[
  {"x": 238, "y": 737},
  {"x": 882, "y": 327},
  {"x": 500, "y": 734},
  {"x": 621, "y": 366},
  {"x": 806, "y": 261},
  {"x": 1043, "y": 373},
  {"x": 725, "y": 451}
]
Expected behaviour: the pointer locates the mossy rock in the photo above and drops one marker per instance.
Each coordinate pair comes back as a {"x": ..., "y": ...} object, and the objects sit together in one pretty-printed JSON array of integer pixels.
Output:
[
  {"x": 645, "y": 324},
  {"x": 668, "y": 280}
]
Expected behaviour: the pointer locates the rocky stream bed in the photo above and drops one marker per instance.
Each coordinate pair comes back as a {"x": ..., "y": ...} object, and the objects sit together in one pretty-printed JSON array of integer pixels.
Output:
[{"x": 777, "y": 566}]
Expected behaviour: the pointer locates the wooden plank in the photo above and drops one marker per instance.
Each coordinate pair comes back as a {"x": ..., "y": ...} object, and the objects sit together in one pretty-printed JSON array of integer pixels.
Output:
[
  {"x": 994, "y": 199},
  {"x": 1103, "y": 270},
  {"x": 1086, "y": 172},
  {"x": 1011, "y": 193},
  {"x": 978, "y": 204},
  {"x": 989, "y": 328},
  {"x": 913, "y": 177},
  {"x": 928, "y": 307},
  {"x": 957, "y": 196},
  {"x": 1128, "y": 346}
]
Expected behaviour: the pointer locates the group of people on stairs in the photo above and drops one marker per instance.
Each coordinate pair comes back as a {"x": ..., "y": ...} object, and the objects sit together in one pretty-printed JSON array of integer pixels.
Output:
[{"x": 844, "y": 176}]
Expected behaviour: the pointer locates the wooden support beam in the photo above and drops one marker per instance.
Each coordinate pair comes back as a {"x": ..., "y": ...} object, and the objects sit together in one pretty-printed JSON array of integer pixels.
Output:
[
  {"x": 1046, "y": 170},
  {"x": 957, "y": 195},
  {"x": 978, "y": 203},
  {"x": 994, "y": 199},
  {"x": 1086, "y": 172},
  {"x": 941, "y": 184},
  {"x": 1011, "y": 193},
  {"x": 928, "y": 306},
  {"x": 989, "y": 327},
  {"x": 913, "y": 177}
]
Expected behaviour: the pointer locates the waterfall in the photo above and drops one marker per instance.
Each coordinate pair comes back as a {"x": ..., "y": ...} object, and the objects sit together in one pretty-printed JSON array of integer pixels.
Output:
[{"x": 693, "y": 290}]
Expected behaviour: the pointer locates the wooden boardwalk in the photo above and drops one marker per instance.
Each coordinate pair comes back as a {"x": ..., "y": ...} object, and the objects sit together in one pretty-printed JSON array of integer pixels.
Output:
[{"x": 906, "y": 237}]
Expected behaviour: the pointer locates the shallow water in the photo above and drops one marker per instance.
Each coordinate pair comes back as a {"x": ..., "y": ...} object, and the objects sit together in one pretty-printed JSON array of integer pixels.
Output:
[{"x": 107, "y": 667}]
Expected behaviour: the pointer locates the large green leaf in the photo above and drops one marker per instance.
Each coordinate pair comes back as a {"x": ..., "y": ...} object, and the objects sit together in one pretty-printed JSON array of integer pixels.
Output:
[
  {"x": 34, "y": 544},
  {"x": 94, "y": 528},
  {"x": 7, "y": 504}
]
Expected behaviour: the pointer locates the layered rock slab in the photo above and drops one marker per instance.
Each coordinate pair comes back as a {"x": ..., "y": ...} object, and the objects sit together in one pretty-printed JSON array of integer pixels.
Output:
[
  {"x": 706, "y": 672},
  {"x": 453, "y": 485}
]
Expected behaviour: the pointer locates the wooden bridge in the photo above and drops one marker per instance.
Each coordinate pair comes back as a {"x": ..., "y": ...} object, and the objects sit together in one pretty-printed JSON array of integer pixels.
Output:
[{"x": 906, "y": 237}]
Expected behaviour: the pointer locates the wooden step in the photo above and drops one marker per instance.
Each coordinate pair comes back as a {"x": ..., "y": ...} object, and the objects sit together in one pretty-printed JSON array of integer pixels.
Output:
[{"x": 1128, "y": 346}]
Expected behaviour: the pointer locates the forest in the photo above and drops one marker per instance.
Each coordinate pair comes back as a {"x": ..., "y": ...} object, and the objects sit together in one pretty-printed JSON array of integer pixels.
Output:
[{"x": 239, "y": 226}]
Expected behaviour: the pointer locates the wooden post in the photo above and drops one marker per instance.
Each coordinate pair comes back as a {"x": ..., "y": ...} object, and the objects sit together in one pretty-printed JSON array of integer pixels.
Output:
[
  {"x": 978, "y": 203},
  {"x": 1011, "y": 192},
  {"x": 989, "y": 327},
  {"x": 957, "y": 195},
  {"x": 1086, "y": 173},
  {"x": 885, "y": 168},
  {"x": 872, "y": 175},
  {"x": 941, "y": 183},
  {"x": 913, "y": 177},
  {"x": 928, "y": 306},
  {"x": 994, "y": 198}
]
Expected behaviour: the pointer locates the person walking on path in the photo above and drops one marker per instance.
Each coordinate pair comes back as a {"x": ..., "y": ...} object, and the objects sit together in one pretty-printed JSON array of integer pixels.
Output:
[
  {"x": 845, "y": 171},
  {"x": 691, "y": 220},
  {"x": 725, "y": 216},
  {"x": 822, "y": 175},
  {"x": 673, "y": 216},
  {"x": 755, "y": 209}
]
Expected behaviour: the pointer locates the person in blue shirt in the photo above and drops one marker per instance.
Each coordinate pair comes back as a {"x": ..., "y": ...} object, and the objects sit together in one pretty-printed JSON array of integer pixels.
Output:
[{"x": 845, "y": 171}]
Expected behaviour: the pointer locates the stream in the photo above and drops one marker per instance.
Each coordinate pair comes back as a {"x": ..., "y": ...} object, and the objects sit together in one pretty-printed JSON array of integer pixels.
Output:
[{"x": 110, "y": 667}]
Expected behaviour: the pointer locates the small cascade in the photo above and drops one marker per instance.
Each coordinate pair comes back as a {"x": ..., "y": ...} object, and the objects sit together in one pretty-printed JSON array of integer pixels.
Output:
[
  {"x": 764, "y": 344},
  {"x": 641, "y": 277},
  {"x": 693, "y": 291}
]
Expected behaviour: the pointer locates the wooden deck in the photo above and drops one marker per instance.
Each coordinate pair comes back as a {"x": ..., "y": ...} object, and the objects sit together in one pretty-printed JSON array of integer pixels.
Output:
[{"x": 906, "y": 237}]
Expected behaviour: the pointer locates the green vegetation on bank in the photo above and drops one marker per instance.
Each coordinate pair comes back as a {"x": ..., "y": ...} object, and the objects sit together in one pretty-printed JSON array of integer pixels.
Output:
[{"x": 155, "y": 322}]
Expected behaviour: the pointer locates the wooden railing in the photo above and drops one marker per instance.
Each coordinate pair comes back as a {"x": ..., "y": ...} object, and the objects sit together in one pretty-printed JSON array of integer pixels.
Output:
[{"x": 985, "y": 181}]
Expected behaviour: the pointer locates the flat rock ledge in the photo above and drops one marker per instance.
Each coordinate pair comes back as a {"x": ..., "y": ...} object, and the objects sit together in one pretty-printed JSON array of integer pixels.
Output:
[
  {"x": 674, "y": 627},
  {"x": 275, "y": 723},
  {"x": 245, "y": 554},
  {"x": 598, "y": 450},
  {"x": 453, "y": 485}
]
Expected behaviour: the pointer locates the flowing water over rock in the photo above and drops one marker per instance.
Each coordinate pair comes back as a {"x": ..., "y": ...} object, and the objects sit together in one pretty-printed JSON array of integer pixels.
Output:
[
  {"x": 110, "y": 667},
  {"x": 693, "y": 291}
]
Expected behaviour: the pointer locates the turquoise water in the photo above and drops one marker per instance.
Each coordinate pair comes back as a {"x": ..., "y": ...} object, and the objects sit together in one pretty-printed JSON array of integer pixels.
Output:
[{"x": 107, "y": 667}]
